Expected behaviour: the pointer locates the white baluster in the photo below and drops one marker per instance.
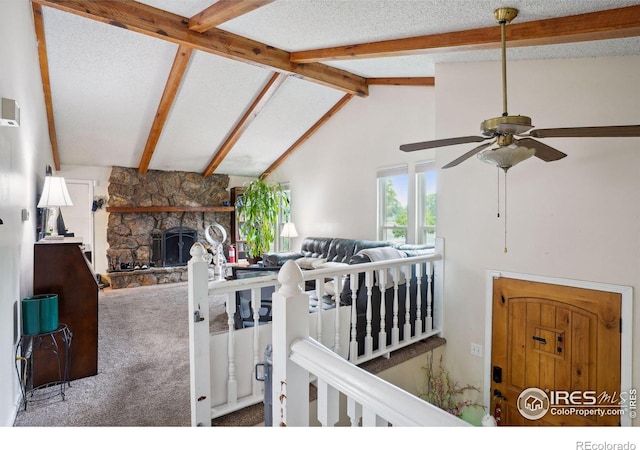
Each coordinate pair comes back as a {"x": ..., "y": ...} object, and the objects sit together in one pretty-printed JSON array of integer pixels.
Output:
[
  {"x": 353, "y": 348},
  {"x": 328, "y": 404},
  {"x": 418, "y": 268},
  {"x": 395, "y": 331},
  {"x": 337, "y": 287},
  {"x": 429, "y": 319},
  {"x": 320, "y": 295},
  {"x": 256, "y": 304},
  {"x": 231, "y": 368},
  {"x": 368, "y": 339},
  {"x": 371, "y": 419},
  {"x": 354, "y": 411},
  {"x": 407, "y": 306},
  {"x": 382, "y": 334}
]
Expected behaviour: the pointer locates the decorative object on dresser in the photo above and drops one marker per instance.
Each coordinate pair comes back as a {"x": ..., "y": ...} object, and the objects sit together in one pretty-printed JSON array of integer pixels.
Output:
[{"x": 54, "y": 195}]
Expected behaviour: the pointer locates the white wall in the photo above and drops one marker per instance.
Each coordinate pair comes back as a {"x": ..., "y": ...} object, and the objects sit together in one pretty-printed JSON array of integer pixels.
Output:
[
  {"x": 576, "y": 218},
  {"x": 333, "y": 175},
  {"x": 24, "y": 154}
]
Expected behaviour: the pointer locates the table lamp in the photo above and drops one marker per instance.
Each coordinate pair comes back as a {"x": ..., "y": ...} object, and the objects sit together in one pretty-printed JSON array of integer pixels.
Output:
[
  {"x": 289, "y": 231},
  {"x": 54, "y": 195}
]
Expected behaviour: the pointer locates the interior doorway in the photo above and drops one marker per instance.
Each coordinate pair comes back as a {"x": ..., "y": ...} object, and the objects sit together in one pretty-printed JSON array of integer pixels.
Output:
[
  {"x": 78, "y": 219},
  {"x": 559, "y": 351}
]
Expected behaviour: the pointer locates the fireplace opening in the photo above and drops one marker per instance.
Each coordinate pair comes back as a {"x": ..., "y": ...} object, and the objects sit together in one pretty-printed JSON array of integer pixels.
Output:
[{"x": 176, "y": 243}]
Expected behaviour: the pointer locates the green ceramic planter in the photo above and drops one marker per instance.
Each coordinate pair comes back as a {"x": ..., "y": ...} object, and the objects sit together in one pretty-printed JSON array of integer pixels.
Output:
[
  {"x": 40, "y": 314},
  {"x": 30, "y": 315}
]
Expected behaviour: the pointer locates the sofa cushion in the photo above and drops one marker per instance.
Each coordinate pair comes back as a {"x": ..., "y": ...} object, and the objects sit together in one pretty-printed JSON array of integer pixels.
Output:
[
  {"x": 278, "y": 259},
  {"x": 315, "y": 247},
  {"x": 340, "y": 250},
  {"x": 309, "y": 263}
]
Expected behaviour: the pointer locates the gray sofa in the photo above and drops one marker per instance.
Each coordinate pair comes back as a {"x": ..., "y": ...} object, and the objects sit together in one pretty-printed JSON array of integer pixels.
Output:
[
  {"x": 327, "y": 252},
  {"x": 318, "y": 252}
]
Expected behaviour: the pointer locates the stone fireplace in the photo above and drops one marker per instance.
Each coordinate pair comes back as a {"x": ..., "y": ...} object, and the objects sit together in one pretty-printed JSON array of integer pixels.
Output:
[{"x": 154, "y": 218}]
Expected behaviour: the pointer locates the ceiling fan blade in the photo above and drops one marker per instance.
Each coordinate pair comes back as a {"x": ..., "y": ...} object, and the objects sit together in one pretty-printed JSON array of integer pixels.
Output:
[
  {"x": 467, "y": 155},
  {"x": 543, "y": 151},
  {"x": 613, "y": 131},
  {"x": 441, "y": 143}
]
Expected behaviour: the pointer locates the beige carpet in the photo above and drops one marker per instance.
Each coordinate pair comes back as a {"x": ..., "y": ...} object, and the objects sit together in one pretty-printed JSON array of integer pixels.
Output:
[
  {"x": 143, "y": 366},
  {"x": 143, "y": 363}
]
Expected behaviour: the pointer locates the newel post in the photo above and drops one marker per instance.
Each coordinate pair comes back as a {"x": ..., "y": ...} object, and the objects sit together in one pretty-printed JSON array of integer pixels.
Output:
[
  {"x": 290, "y": 382},
  {"x": 199, "y": 353}
]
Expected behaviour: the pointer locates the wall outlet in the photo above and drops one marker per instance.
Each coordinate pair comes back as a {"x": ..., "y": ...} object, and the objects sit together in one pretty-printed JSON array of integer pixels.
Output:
[{"x": 476, "y": 349}]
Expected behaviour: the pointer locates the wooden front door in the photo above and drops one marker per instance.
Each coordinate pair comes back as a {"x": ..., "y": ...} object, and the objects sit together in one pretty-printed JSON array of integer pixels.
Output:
[{"x": 562, "y": 340}]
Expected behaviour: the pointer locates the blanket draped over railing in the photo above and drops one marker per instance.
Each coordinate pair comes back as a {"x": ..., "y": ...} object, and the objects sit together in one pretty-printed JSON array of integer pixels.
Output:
[{"x": 373, "y": 309}]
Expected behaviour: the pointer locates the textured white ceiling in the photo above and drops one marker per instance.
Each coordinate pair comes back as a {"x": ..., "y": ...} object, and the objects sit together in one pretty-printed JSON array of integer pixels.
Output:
[{"x": 107, "y": 82}]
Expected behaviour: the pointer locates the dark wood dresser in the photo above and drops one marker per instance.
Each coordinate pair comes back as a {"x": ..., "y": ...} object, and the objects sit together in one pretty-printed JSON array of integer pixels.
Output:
[{"x": 60, "y": 267}]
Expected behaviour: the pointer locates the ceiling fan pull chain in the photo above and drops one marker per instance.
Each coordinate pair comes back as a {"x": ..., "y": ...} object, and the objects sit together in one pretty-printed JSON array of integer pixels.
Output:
[
  {"x": 498, "y": 171},
  {"x": 505, "y": 211}
]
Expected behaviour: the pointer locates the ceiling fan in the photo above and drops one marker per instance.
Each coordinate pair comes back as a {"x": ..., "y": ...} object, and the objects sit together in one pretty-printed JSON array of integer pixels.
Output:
[{"x": 508, "y": 132}]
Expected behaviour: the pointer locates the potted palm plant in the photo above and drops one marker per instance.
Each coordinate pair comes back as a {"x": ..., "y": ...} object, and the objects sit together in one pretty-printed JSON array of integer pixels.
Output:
[{"x": 258, "y": 207}]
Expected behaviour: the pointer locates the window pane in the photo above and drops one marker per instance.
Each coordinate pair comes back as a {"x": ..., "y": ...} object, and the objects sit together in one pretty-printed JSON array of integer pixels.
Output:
[
  {"x": 284, "y": 216},
  {"x": 393, "y": 197},
  {"x": 426, "y": 181}
]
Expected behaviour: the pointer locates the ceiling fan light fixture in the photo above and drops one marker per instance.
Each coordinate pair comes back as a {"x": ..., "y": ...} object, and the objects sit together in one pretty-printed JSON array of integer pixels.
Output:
[{"x": 506, "y": 157}]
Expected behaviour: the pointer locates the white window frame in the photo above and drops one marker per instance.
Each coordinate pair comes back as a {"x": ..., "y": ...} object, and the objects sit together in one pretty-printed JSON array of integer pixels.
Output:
[
  {"x": 421, "y": 171},
  {"x": 381, "y": 196},
  {"x": 415, "y": 231},
  {"x": 279, "y": 243}
]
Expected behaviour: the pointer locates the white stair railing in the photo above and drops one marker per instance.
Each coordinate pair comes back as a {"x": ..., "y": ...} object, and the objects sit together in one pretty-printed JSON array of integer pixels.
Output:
[
  {"x": 371, "y": 401},
  {"x": 223, "y": 364}
]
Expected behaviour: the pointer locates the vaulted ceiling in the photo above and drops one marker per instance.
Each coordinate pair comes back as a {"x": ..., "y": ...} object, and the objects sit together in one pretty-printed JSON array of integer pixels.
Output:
[{"x": 235, "y": 86}]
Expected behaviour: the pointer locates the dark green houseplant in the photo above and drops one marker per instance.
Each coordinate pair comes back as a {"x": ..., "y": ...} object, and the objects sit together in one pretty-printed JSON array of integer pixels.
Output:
[{"x": 258, "y": 208}]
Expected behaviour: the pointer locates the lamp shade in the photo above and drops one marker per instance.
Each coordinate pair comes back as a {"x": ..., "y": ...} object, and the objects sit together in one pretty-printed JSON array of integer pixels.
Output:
[
  {"x": 506, "y": 157},
  {"x": 54, "y": 193},
  {"x": 289, "y": 230}
]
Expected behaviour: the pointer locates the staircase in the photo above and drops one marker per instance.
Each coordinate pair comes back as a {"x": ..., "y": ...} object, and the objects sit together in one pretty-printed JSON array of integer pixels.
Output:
[{"x": 254, "y": 415}]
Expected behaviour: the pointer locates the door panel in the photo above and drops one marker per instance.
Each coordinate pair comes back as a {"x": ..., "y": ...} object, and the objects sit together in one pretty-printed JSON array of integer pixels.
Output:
[{"x": 559, "y": 339}]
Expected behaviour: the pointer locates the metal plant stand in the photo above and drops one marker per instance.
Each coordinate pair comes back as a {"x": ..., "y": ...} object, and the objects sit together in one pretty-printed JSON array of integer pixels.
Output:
[{"x": 58, "y": 342}]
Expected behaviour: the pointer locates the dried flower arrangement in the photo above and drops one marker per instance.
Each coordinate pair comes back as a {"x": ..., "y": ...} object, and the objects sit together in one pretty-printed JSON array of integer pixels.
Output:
[{"x": 444, "y": 392}]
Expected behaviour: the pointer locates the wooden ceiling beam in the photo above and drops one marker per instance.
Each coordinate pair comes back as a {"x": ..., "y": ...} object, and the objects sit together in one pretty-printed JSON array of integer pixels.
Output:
[
  {"x": 243, "y": 124},
  {"x": 316, "y": 126},
  {"x": 178, "y": 69},
  {"x": 170, "y": 27},
  {"x": 403, "y": 81},
  {"x": 46, "y": 82},
  {"x": 222, "y": 11},
  {"x": 609, "y": 24}
]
